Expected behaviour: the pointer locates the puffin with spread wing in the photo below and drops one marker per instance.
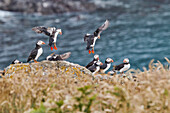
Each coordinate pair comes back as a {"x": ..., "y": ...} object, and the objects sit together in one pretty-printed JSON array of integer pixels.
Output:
[
  {"x": 91, "y": 38},
  {"x": 56, "y": 57},
  {"x": 52, "y": 32}
]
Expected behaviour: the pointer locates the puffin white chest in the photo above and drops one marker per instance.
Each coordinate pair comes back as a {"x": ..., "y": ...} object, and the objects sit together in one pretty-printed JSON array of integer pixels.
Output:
[
  {"x": 94, "y": 41},
  {"x": 40, "y": 51},
  {"x": 107, "y": 67},
  {"x": 97, "y": 69},
  {"x": 55, "y": 36},
  {"x": 125, "y": 68}
]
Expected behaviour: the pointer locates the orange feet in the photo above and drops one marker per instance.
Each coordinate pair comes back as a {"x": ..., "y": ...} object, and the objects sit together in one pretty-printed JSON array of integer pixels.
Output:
[
  {"x": 51, "y": 48},
  {"x": 55, "y": 47},
  {"x": 92, "y": 51},
  {"x": 35, "y": 61},
  {"x": 89, "y": 52}
]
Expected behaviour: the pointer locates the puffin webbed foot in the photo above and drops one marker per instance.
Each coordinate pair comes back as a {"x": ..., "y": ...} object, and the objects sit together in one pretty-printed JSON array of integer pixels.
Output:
[
  {"x": 51, "y": 48},
  {"x": 55, "y": 47},
  {"x": 89, "y": 52},
  {"x": 35, "y": 61},
  {"x": 92, "y": 51}
]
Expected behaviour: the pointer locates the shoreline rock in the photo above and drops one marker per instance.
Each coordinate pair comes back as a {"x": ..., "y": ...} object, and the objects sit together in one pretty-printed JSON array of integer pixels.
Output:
[
  {"x": 47, "y": 68},
  {"x": 47, "y": 6}
]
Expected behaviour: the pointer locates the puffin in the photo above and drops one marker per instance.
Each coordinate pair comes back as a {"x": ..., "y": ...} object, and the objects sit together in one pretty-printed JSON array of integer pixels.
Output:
[
  {"x": 121, "y": 67},
  {"x": 56, "y": 57},
  {"x": 52, "y": 32},
  {"x": 36, "y": 52},
  {"x": 106, "y": 65},
  {"x": 95, "y": 67},
  {"x": 90, "y": 39},
  {"x": 16, "y": 62},
  {"x": 96, "y": 58}
]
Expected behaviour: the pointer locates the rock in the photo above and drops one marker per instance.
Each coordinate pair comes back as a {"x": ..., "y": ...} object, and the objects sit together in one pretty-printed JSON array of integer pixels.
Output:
[
  {"x": 47, "y": 68},
  {"x": 47, "y": 6}
]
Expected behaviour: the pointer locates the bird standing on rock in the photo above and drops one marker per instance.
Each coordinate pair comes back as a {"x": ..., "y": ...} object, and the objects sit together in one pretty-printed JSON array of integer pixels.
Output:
[
  {"x": 96, "y": 58},
  {"x": 36, "y": 53},
  {"x": 106, "y": 65},
  {"x": 121, "y": 67},
  {"x": 91, "y": 39},
  {"x": 52, "y": 32},
  {"x": 95, "y": 67}
]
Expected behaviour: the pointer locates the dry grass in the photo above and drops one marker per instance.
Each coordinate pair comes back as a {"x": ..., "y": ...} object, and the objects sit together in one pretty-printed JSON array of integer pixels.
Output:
[{"x": 60, "y": 94}]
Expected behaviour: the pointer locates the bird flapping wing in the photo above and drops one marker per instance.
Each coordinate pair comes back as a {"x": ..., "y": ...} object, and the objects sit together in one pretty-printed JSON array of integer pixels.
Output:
[
  {"x": 65, "y": 55},
  {"x": 41, "y": 29},
  {"x": 51, "y": 30},
  {"x": 102, "y": 27}
]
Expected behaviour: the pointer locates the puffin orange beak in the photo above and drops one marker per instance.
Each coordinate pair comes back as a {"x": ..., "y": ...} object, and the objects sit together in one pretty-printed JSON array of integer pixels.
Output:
[
  {"x": 112, "y": 61},
  {"x": 97, "y": 58},
  {"x": 98, "y": 37},
  {"x": 101, "y": 63},
  {"x": 43, "y": 42},
  {"x": 124, "y": 61},
  {"x": 60, "y": 33}
]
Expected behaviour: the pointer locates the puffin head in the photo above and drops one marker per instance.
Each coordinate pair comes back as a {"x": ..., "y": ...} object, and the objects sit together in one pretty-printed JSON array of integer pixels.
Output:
[
  {"x": 98, "y": 63},
  {"x": 59, "y": 31},
  {"x": 40, "y": 42},
  {"x": 96, "y": 57},
  {"x": 126, "y": 60},
  {"x": 108, "y": 60}
]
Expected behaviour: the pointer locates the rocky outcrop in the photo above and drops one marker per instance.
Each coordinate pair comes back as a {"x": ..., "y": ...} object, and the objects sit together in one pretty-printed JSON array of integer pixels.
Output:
[
  {"x": 46, "y": 6},
  {"x": 47, "y": 68}
]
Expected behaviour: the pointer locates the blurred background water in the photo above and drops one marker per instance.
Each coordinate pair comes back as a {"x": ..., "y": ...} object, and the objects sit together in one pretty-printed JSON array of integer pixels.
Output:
[{"x": 139, "y": 30}]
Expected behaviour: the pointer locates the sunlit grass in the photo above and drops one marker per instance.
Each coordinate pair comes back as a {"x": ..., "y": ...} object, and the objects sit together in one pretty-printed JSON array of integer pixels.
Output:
[{"x": 65, "y": 93}]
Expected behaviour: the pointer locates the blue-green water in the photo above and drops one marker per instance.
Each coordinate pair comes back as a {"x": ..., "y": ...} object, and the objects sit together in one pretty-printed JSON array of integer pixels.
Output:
[{"x": 139, "y": 30}]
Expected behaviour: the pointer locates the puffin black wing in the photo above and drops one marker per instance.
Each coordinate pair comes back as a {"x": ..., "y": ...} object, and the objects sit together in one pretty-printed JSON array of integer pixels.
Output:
[
  {"x": 90, "y": 64},
  {"x": 103, "y": 27},
  {"x": 103, "y": 66},
  {"x": 41, "y": 29},
  {"x": 119, "y": 67},
  {"x": 92, "y": 68},
  {"x": 51, "y": 40},
  {"x": 32, "y": 55}
]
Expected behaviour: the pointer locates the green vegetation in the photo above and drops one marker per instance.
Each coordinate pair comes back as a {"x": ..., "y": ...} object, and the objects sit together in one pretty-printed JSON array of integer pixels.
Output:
[{"x": 67, "y": 94}]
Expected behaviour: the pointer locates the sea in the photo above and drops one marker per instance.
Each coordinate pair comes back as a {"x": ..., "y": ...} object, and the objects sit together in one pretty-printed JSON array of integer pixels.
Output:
[{"x": 138, "y": 30}]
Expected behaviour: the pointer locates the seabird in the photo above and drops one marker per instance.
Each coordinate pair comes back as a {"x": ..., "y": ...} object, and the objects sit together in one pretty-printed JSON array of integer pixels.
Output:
[
  {"x": 56, "y": 57},
  {"x": 16, "y": 62},
  {"x": 106, "y": 65},
  {"x": 95, "y": 67},
  {"x": 91, "y": 38},
  {"x": 121, "y": 67},
  {"x": 36, "y": 53},
  {"x": 52, "y": 32},
  {"x": 96, "y": 58}
]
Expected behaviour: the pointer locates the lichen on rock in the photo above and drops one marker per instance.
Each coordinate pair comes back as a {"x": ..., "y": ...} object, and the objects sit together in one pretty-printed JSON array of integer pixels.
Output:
[{"x": 47, "y": 68}]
